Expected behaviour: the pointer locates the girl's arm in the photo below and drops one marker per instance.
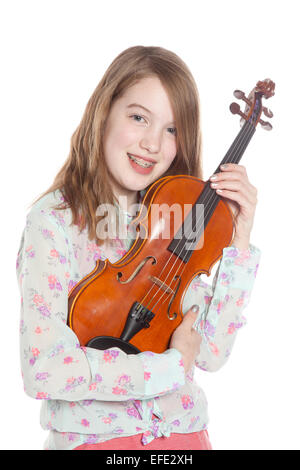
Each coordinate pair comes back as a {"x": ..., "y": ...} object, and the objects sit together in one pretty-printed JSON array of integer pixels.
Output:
[
  {"x": 222, "y": 304},
  {"x": 54, "y": 365}
]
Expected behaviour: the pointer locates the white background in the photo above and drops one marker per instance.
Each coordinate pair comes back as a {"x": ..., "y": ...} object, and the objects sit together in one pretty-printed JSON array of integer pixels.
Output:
[{"x": 54, "y": 53}]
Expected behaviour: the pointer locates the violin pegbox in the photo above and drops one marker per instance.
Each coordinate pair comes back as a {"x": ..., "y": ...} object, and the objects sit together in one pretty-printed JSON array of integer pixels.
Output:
[{"x": 254, "y": 108}]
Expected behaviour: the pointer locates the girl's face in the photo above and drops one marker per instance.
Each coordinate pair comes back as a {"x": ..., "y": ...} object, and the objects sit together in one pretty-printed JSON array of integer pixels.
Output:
[{"x": 140, "y": 138}]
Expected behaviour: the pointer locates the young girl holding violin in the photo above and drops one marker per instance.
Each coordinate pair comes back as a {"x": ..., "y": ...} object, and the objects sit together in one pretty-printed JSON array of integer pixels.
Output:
[{"x": 141, "y": 123}]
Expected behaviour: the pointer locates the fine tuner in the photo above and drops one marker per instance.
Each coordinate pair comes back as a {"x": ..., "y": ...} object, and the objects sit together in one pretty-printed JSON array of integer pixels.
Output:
[{"x": 240, "y": 95}]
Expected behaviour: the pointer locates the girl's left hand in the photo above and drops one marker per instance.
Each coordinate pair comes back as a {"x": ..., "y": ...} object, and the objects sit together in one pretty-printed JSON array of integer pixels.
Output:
[{"x": 233, "y": 185}]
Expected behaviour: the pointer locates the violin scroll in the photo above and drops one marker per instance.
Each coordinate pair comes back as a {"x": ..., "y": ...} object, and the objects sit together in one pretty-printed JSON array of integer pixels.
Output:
[
  {"x": 266, "y": 87},
  {"x": 254, "y": 108}
]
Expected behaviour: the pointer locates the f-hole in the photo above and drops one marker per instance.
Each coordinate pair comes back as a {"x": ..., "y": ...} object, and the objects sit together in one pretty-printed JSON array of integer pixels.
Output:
[{"x": 137, "y": 270}]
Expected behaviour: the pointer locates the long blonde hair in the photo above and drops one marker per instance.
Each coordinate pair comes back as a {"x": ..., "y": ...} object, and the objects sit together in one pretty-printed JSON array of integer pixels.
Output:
[{"x": 83, "y": 179}]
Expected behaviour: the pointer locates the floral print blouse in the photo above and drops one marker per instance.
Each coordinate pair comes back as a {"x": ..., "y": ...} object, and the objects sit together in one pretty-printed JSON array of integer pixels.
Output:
[{"x": 89, "y": 395}]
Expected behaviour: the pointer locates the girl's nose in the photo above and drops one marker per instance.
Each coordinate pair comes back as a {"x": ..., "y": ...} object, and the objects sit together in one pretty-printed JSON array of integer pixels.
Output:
[{"x": 151, "y": 141}]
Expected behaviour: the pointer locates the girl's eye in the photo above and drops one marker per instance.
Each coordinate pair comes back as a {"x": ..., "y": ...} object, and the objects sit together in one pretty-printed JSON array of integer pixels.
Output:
[
  {"x": 134, "y": 116},
  {"x": 137, "y": 118},
  {"x": 173, "y": 130}
]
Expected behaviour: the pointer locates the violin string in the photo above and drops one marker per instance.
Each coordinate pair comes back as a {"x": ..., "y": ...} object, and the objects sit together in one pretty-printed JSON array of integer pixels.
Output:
[
  {"x": 208, "y": 205},
  {"x": 211, "y": 197},
  {"x": 244, "y": 145}
]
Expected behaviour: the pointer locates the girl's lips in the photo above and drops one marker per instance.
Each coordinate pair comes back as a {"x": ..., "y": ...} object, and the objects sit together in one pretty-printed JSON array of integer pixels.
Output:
[
  {"x": 150, "y": 160},
  {"x": 139, "y": 169}
]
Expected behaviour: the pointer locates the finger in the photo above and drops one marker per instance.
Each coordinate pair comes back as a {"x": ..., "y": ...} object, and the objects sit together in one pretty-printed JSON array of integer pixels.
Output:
[
  {"x": 236, "y": 196},
  {"x": 234, "y": 167},
  {"x": 247, "y": 192},
  {"x": 230, "y": 175},
  {"x": 194, "y": 308},
  {"x": 231, "y": 185},
  {"x": 191, "y": 315}
]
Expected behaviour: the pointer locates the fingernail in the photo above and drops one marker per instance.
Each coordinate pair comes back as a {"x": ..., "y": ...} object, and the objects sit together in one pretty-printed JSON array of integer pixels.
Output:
[
  {"x": 195, "y": 308},
  {"x": 224, "y": 166}
]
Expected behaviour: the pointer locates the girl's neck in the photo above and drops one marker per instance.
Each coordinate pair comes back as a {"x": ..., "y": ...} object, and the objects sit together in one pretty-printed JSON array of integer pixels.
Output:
[{"x": 126, "y": 201}]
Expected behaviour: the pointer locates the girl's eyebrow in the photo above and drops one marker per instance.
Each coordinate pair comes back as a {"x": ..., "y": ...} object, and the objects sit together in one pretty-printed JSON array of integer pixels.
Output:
[{"x": 134, "y": 105}]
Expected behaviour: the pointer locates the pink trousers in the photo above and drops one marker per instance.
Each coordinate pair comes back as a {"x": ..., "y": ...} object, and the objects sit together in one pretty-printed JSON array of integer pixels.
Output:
[{"x": 192, "y": 441}]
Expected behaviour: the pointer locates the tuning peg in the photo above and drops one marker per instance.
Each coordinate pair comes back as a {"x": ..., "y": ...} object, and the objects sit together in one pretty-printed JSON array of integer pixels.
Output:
[
  {"x": 267, "y": 112},
  {"x": 235, "y": 109},
  {"x": 240, "y": 95},
  {"x": 265, "y": 125}
]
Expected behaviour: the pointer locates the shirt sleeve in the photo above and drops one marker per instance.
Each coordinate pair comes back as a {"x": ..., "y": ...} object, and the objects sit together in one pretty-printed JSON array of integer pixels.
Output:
[
  {"x": 54, "y": 365},
  {"x": 222, "y": 304}
]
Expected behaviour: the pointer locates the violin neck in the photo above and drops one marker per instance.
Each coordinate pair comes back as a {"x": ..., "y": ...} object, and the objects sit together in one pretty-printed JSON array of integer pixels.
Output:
[
  {"x": 239, "y": 145},
  {"x": 209, "y": 198}
]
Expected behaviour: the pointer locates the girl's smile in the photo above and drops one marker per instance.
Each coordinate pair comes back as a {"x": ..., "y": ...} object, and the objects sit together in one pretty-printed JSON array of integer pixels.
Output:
[{"x": 140, "y": 164}]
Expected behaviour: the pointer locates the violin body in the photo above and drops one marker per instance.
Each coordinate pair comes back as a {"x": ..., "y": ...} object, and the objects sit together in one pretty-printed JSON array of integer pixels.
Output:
[
  {"x": 99, "y": 305},
  {"x": 137, "y": 303}
]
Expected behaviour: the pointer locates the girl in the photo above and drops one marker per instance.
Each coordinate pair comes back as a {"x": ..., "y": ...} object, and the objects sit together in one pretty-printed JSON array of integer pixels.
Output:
[{"x": 140, "y": 124}]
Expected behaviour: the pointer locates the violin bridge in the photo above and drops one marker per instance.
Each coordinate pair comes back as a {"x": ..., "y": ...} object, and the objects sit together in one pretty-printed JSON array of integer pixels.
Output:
[{"x": 161, "y": 284}]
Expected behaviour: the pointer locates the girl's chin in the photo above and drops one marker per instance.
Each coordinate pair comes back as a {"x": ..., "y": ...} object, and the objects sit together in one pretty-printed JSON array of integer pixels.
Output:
[{"x": 138, "y": 184}]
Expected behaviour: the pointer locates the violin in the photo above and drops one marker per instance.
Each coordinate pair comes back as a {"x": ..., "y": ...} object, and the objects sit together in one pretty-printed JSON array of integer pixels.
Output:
[{"x": 136, "y": 303}]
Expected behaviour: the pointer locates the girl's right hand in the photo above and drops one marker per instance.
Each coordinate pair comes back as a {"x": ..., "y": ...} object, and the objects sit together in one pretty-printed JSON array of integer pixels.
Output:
[{"x": 186, "y": 340}]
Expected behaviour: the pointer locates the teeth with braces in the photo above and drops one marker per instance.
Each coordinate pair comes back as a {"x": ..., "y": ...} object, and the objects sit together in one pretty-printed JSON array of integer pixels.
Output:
[{"x": 139, "y": 162}]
